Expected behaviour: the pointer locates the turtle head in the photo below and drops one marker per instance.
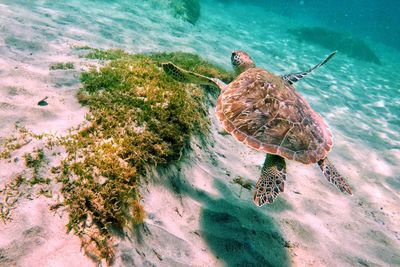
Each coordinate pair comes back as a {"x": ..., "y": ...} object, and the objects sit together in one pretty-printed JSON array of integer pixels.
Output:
[{"x": 241, "y": 61}]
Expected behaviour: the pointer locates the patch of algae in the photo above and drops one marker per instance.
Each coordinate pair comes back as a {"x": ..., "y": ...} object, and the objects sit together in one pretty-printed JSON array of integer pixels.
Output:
[
  {"x": 62, "y": 66},
  {"x": 139, "y": 118},
  {"x": 25, "y": 183}
]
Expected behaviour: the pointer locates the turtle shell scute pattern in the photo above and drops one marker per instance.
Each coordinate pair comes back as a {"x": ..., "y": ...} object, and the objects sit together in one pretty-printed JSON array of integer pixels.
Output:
[{"x": 262, "y": 111}]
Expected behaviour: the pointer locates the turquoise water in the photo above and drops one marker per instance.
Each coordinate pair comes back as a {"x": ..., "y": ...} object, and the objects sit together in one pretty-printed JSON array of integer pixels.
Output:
[
  {"x": 358, "y": 97},
  {"x": 357, "y": 92}
]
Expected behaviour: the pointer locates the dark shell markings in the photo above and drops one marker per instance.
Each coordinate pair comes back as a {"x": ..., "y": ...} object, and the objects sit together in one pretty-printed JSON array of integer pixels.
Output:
[
  {"x": 275, "y": 119},
  {"x": 264, "y": 111}
]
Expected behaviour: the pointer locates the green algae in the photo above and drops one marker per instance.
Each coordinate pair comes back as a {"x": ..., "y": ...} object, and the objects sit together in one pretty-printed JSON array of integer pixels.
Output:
[
  {"x": 25, "y": 184},
  {"x": 138, "y": 118},
  {"x": 11, "y": 144},
  {"x": 10, "y": 195},
  {"x": 109, "y": 54},
  {"x": 8, "y": 145},
  {"x": 62, "y": 66},
  {"x": 81, "y": 47},
  {"x": 35, "y": 162}
]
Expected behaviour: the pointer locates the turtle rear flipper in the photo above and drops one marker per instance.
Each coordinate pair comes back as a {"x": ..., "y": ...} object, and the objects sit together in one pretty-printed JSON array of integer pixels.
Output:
[
  {"x": 333, "y": 176},
  {"x": 272, "y": 180},
  {"x": 295, "y": 77},
  {"x": 186, "y": 76}
]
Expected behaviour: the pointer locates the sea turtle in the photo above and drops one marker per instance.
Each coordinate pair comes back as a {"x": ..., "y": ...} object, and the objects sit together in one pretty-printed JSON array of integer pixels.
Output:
[{"x": 265, "y": 112}]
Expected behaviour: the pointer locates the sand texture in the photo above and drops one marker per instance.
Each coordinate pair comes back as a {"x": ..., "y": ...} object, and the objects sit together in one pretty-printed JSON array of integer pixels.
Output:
[{"x": 195, "y": 214}]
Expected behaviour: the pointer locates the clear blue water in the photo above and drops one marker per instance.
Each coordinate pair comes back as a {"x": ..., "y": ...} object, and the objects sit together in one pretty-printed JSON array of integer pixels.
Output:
[
  {"x": 378, "y": 21},
  {"x": 358, "y": 92}
]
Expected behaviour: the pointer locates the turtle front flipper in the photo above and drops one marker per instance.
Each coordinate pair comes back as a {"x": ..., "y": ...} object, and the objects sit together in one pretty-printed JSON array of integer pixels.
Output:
[
  {"x": 186, "y": 76},
  {"x": 333, "y": 176},
  {"x": 272, "y": 180},
  {"x": 295, "y": 77}
]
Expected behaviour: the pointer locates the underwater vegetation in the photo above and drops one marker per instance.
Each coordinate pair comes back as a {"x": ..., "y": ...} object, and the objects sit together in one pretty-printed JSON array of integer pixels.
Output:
[
  {"x": 62, "y": 66},
  {"x": 188, "y": 10},
  {"x": 99, "y": 54},
  {"x": 139, "y": 118},
  {"x": 31, "y": 182},
  {"x": 346, "y": 43}
]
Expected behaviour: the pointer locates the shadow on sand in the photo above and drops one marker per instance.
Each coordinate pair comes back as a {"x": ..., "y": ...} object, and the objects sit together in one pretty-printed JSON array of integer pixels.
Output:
[{"x": 236, "y": 232}]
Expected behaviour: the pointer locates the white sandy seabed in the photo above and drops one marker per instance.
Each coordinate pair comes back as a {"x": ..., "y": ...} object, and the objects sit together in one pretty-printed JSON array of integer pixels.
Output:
[{"x": 196, "y": 216}]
